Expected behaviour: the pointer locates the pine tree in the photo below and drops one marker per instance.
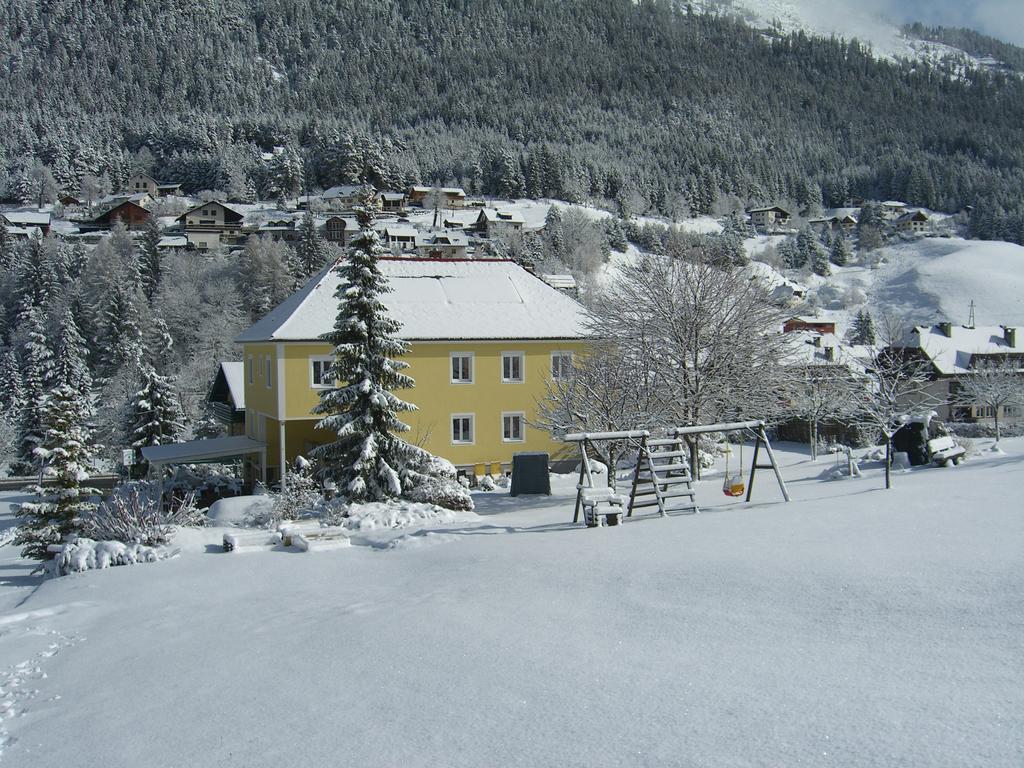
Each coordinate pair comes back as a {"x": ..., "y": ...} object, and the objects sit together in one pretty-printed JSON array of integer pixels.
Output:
[
  {"x": 149, "y": 266},
  {"x": 840, "y": 253},
  {"x": 863, "y": 332},
  {"x": 70, "y": 365},
  {"x": 157, "y": 418},
  {"x": 37, "y": 369},
  {"x": 309, "y": 253},
  {"x": 367, "y": 457},
  {"x": 67, "y": 452}
]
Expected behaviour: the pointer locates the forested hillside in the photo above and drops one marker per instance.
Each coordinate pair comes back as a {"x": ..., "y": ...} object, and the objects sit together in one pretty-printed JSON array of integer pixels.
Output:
[{"x": 643, "y": 103}]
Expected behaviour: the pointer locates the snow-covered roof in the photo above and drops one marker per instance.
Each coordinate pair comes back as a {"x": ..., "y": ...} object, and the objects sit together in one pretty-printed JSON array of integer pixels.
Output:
[
  {"x": 450, "y": 191},
  {"x": 397, "y": 230},
  {"x": 173, "y": 241},
  {"x": 27, "y": 218},
  {"x": 437, "y": 299},
  {"x": 893, "y": 204},
  {"x": 813, "y": 348},
  {"x": 495, "y": 215},
  {"x": 954, "y": 353},
  {"x": 562, "y": 282},
  {"x": 196, "y": 451},
  {"x": 342, "y": 190},
  {"x": 441, "y": 237},
  {"x": 234, "y": 375},
  {"x": 391, "y": 195},
  {"x": 768, "y": 208},
  {"x": 24, "y": 232}
]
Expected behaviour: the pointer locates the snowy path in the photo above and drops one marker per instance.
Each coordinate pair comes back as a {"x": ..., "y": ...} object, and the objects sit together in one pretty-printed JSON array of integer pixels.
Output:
[{"x": 854, "y": 627}]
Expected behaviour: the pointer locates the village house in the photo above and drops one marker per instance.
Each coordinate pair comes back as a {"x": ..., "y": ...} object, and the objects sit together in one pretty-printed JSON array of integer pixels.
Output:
[
  {"x": 450, "y": 197},
  {"x": 769, "y": 217},
  {"x": 491, "y": 223},
  {"x": 338, "y": 229},
  {"x": 913, "y": 222},
  {"x": 226, "y": 398},
  {"x": 27, "y": 220},
  {"x": 836, "y": 219},
  {"x": 391, "y": 202},
  {"x": 809, "y": 324},
  {"x": 208, "y": 224},
  {"x": 485, "y": 337},
  {"x": 128, "y": 212},
  {"x": 143, "y": 182},
  {"x": 893, "y": 209},
  {"x": 442, "y": 245},
  {"x": 398, "y": 236},
  {"x": 279, "y": 230},
  {"x": 954, "y": 353}
]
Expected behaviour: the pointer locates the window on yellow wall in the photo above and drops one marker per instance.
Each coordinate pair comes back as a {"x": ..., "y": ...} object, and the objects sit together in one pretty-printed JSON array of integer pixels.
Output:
[
  {"x": 318, "y": 372},
  {"x": 561, "y": 365},
  {"x": 252, "y": 379},
  {"x": 513, "y": 427},
  {"x": 270, "y": 372},
  {"x": 512, "y": 367},
  {"x": 462, "y": 367},
  {"x": 462, "y": 428}
]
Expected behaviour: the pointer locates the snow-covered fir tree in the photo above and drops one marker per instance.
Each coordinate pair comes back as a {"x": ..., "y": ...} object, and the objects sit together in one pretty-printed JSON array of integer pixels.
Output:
[
  {"x": 70, "y": 366},
  {"x": 309, "y": 251},
  {"x": 863, "y": 331},
  {"x": 12, "y": 392},
  {"x": 156, "y": 414},
  {"x": 841, "y": 252},
  {"x": 367, "y": 458},
  {"x": 149, "y": 266},
  {"x": 37, "y": 370},
  {"x": 67, "y": 452}
]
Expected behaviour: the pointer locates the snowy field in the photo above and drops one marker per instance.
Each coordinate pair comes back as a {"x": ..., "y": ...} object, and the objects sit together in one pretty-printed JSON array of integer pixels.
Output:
[{"x": 852, "y": 627}]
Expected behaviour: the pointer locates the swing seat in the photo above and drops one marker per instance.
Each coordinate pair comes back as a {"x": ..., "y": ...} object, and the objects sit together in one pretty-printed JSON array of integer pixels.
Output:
[{"x": 734, "y": 486}]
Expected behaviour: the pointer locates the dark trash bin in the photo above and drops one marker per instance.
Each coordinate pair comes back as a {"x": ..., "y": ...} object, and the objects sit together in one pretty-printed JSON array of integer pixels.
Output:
[{"x": 530, "y": 474}]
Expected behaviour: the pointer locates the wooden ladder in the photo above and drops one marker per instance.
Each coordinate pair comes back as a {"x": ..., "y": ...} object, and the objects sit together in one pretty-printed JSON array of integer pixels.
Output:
[{"x": 662, "y": 477}]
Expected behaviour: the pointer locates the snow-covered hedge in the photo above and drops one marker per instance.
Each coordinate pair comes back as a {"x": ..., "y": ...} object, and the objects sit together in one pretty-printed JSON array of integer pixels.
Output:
[
  {"x": 398, "y": 514},
  {"x": 84, "y": 554}
]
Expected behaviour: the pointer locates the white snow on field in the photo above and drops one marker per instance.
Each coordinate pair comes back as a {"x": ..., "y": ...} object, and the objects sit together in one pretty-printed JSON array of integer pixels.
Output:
[
  {"x": 853, "y": 627},
  {"x": 937, "y": 278}
]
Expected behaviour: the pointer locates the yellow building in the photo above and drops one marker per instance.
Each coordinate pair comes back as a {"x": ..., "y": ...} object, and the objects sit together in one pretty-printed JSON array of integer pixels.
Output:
[{"x": 485, "y": 336}]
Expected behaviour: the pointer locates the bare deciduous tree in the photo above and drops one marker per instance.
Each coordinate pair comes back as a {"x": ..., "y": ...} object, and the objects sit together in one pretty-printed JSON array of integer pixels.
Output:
[
  {"x": 709, "y": 331},
  {"x": 611, "y": 389},
  {"x": 821, "y": 391}
]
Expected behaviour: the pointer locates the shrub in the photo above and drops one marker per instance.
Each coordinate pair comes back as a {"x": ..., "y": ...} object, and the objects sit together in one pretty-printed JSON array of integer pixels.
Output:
[{"x": 134, "y": 515}]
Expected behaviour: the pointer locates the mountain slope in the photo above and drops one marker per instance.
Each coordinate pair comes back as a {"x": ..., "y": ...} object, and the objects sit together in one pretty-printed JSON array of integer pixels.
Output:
[{"x": 626, "y": 97}]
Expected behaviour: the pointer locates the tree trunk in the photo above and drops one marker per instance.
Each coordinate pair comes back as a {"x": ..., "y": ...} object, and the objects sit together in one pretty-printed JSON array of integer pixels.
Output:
[
  {"x": 694, "y": 457},
  {"x": 814, "y": 439},
  {"x": 888, "y": 462},
  {"x": 995, "y": 418},
  {"x": 612, "y": 457}
]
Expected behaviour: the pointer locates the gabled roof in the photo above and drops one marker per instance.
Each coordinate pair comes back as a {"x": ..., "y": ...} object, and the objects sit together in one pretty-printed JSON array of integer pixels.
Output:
[
  {"x": 443, "y": 237},
  {"x": 391, "y": 195},
  {"x": 435, "y": 299},
  {"x": 230, "y": 214},
  {"x": 234, "y": 376},
  {"x": 768, "y": 208},
  {"x": 494, "y": 215},
  {"x": 450, "y": 191},
  {"x": 118, "y": 206},
  {"x": 913, "y": 216},
  {"x": 957, "y": 352},
  {"x": 342, "y": 190},
  {"x": 26, "y": 218}
]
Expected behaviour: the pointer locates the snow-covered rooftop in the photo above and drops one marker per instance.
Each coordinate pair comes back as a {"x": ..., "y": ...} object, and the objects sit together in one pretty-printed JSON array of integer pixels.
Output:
[
  {"x": 954, "y": 353},
  {"x": 234, "y": 375},
  {"x": 437, "y": 299},
  {"x": 27, "y": 218}
]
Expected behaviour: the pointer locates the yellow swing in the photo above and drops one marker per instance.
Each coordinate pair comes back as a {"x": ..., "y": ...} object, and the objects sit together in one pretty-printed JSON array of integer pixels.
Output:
[{"x": 733, "y": 485}]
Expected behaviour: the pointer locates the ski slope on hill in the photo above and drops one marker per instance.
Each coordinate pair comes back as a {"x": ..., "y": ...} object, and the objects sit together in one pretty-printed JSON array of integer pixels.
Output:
[
  {"x": 936, "y": 279},
  {"x": 853, "y": 627}
]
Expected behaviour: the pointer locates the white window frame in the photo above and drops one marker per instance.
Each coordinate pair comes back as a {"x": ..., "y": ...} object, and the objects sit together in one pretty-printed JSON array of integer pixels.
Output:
[
  {"x": 522, "y": 427},
  {"x": 268, "y": 370},
  {"x": 472, "y": 367},
  {"x": 472, "y": 428},
  {"x": 251, "y": 371},
  {"x": 521, "y": 356},
  {"x": 312, "y": 377},
  {"x": 559, "y": 353}
]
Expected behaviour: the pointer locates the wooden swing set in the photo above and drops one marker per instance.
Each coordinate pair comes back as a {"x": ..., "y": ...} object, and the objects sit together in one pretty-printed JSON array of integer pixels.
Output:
[{"x": 662, "y": 476}]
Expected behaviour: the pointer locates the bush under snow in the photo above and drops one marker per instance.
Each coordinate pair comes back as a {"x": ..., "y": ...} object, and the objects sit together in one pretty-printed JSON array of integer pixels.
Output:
[
  {"x": 134, "y": 514},
  {"x": 83, "y": 554},
  {"x": 397, "y": 514}
]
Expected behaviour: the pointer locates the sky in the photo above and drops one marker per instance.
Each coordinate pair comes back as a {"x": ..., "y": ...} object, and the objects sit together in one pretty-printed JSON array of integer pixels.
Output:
[{"x": 1003, "y": 19}]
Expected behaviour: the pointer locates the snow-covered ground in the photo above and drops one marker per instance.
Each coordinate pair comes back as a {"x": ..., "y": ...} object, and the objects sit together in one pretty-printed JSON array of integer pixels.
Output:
[{"x": 852, "y": 627}]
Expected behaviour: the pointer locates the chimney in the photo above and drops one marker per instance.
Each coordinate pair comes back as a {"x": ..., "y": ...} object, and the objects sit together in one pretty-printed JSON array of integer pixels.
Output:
[
  {"x": 946, "y": 329},
  {"x": 1010, "y": 336}
]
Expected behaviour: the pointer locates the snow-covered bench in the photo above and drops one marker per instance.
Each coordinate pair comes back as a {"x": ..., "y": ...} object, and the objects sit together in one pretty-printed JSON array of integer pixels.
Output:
[
  {"x": 322, "y": 539},
  {"x": 944, "y": 450},
  {"x": 243, "y": 540},
  {"x": 590, "y": 498}
]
